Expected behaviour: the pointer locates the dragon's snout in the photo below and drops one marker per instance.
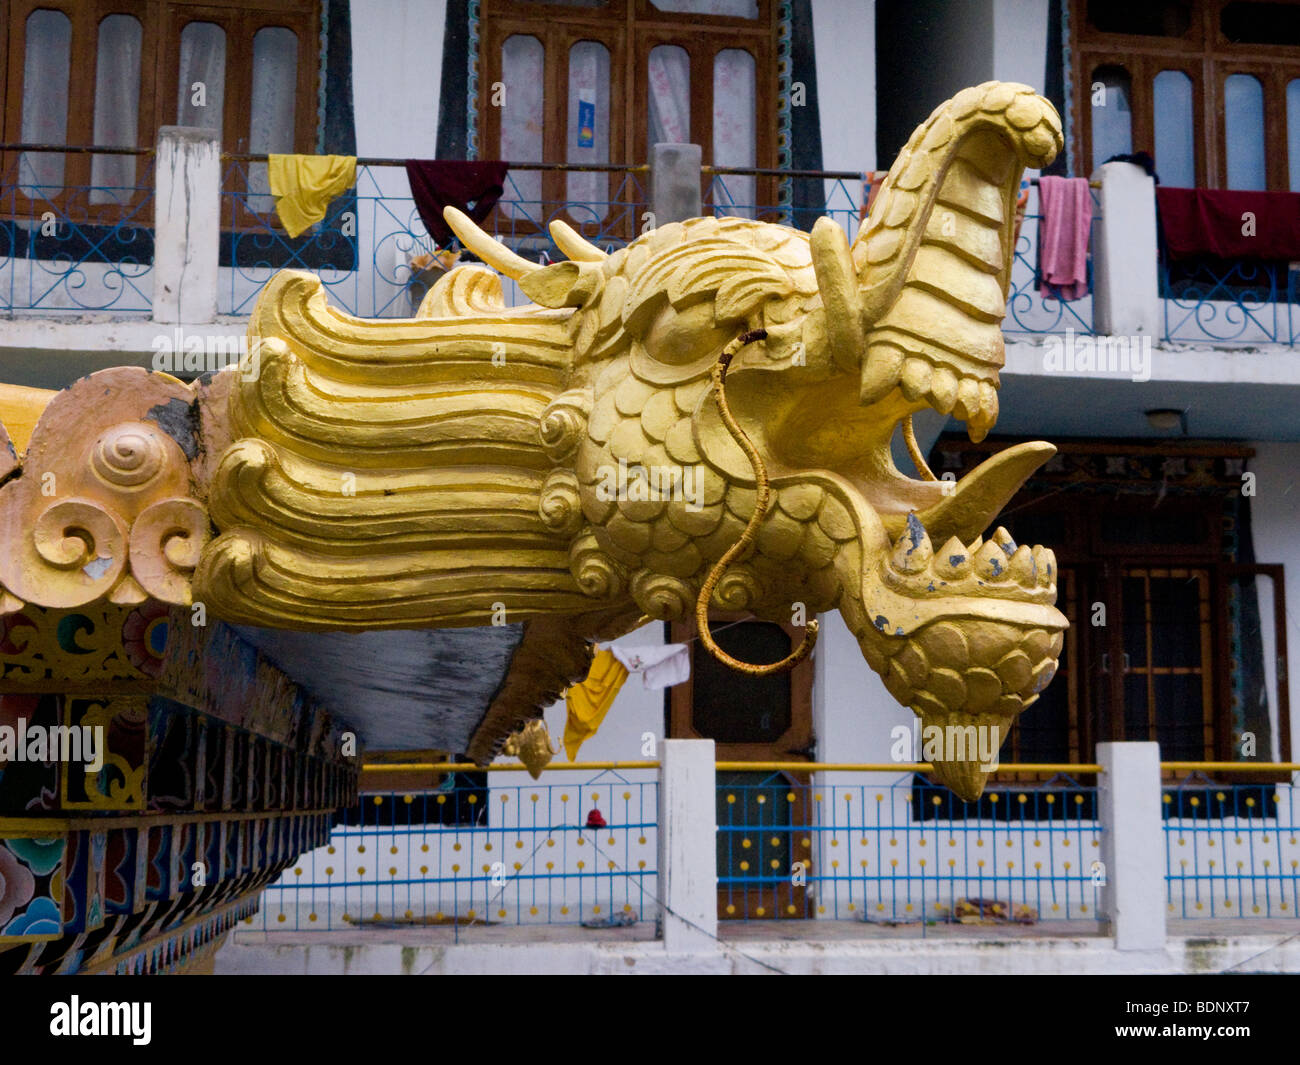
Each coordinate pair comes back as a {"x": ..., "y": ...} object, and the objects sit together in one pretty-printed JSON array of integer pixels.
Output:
[{"x": 966, "y": 636}]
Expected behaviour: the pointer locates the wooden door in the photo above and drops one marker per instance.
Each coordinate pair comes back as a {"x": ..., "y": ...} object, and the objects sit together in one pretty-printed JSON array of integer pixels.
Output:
[{"x": 762, "y": 815}]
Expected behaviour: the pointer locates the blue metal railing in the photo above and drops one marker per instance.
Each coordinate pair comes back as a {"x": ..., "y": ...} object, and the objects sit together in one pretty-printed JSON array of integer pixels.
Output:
[
  {"x": 1231, "y": 302},
  {"x": 478, "y": 854},
  {"x": 368, "y": 247},
  {"x": 836, "y": 196},
  {"x": 1232, "y": 850},
  {"x": 1029, "y": 311},
  {"x": 906, "y": 851},
  {"x": 73, "y": 249}
]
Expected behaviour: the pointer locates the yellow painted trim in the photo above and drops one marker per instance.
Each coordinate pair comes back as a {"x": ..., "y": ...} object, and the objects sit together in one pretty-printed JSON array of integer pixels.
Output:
[
  {"x": 1236, "y": 767},
  {"x": 20, "y": 409},
  {"x": 42, "y": 827},
  {"x": 33, "y": 827}
]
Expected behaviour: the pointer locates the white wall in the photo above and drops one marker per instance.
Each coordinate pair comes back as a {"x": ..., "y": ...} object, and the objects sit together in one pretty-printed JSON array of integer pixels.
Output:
[
  {"x": 1020, "y": 41},
  {"x": 396, "y": 76},
  {"x": 1277, "y": 539},
  {"x": 844, "y": 39}
]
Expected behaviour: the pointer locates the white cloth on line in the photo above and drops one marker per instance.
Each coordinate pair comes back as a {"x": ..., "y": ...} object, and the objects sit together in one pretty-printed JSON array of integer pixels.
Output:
[{"x": 660, "y": 667}]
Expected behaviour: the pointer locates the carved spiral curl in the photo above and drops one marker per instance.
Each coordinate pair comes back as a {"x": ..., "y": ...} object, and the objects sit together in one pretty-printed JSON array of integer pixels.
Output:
[
  {"x": 73, "y": 533},
  {"x": 662, "y": 597},
  {"x": 166, "y": 543},
  {"x": 564, "y": 423},
  {"x": 597, "y": 574},
  {"x": 128, "y": 455},
  {"x": 738, "y": 589},
  {"x": 560, "y": 505}
]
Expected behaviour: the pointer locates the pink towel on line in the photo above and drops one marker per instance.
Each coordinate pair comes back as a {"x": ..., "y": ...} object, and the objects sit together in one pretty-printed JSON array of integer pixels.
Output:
[{"x": 1065, "y": 222}]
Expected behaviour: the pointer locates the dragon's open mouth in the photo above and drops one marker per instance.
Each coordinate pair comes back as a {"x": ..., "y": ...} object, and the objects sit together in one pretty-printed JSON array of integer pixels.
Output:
[{"x": 963, "y": 630}]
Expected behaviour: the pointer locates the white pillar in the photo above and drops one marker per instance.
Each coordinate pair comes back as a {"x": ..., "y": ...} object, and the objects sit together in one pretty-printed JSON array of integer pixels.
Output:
[
  {"x": 1132, "y": 844},
  {"x": 1126, "y": 293},
  {"x": 187, "y": 225},
  {"x": 688, "y": 846},
  {"x": 675, "y": 182}
]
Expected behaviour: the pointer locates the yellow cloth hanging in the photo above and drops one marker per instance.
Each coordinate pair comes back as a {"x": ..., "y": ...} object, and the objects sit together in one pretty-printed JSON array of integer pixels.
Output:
[
  {"x": 305, "y": 185},
  {"x": 590, "y": 701}
]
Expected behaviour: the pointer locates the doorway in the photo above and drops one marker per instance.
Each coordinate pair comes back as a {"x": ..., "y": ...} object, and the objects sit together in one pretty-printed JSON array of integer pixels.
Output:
[{"x": 763, "y": 815}]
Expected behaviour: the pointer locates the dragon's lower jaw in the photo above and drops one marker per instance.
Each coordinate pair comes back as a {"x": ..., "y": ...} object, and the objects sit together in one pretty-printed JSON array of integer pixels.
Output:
[{"x": 965, "y": 636}]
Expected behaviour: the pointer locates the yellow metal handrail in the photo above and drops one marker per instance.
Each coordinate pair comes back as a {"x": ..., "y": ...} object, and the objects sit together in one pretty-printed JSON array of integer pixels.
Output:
[
  {"x": 904, "y": 767},
  {"x": 826, "y": 767},
  {"x": 508, "y": 767}
]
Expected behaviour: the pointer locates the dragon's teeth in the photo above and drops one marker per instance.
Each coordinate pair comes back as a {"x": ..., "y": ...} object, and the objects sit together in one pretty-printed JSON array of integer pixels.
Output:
[
  {"x": 991, "y": 562},
  {"x": 1003, "y": 539},
  {"x": 968, "y": 399},
  {"x": 978, "y": 425},
  {"x": 913, "y": 552},
  {"x": 1048, "y": 565},
  {"x": 915, "y": 381},
  {"x": 953, "y": 560},
  {"x": 1022, "y": 568},
  {"x": 943, "y": 389},
  {"x": 1040, "y": 565},
  {"x": 880, "y": 372}
]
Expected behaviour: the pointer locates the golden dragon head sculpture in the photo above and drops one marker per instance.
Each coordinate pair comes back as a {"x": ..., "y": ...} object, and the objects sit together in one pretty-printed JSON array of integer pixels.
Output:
[{"x": 571, "y": 458}]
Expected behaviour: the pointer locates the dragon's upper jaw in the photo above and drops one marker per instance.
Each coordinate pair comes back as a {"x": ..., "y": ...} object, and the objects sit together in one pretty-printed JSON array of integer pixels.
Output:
[{"x": 826, "y": 426}]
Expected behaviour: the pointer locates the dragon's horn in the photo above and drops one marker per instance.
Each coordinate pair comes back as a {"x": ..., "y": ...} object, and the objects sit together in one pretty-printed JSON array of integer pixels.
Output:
[
  {"x": 574, "y": 244},
  {"x": 490, "y": 250}
]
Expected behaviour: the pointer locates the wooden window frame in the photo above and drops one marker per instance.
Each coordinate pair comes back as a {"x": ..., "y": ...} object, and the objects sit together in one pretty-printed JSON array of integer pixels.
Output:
[
  {"x": 792, "y": 745},
  {"x": 1207, "y": 58},
  {"x": 161, "y": 23},
  {"x": 1093, "y": 569},
  {"x": 629, "y": 29}
]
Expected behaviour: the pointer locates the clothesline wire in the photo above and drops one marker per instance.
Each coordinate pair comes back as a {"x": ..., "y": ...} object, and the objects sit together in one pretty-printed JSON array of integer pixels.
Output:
[
  {"x": 720, "y": 628},
  {"x": 654, "y": 898}
]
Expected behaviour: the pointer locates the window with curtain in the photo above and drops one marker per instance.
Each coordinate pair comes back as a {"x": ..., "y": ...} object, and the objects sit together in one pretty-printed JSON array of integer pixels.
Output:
[
  {"x": 601, "y": 82},
  {"x": 1175, "y": 129},
  {"x": 733, "y": 8},
  {"x": 588, "y": 127},
  {"x": 668, "y": 76},
  {"x": 47, "y": 63},
  {"x": 522, "y": 73},
  {"x": 1203, "y": 85},
  {"x": 1112, "y": 114},
  {"x": 112, "y": 72},
  {"x": 117, "y": 107},
  {"x": 1243, "y": 106},
  {"x": 201, "y": 88},
  {"x": 1293, "y": 133},
  {"x": 735, "y": 142},
  {"x": 270, "y": 118}
]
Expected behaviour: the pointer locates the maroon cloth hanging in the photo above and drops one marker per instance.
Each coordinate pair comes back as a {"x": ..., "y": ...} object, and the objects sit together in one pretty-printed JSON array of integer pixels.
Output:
[
  {"x": 473, "y": 187},
  {"x": 1210, "y": 222}
]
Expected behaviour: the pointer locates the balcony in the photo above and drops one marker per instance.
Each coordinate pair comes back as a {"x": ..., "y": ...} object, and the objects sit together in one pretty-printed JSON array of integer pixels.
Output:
[
  {"x": 817, "y": 866},
  {"x": 72, "y": 252}
]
